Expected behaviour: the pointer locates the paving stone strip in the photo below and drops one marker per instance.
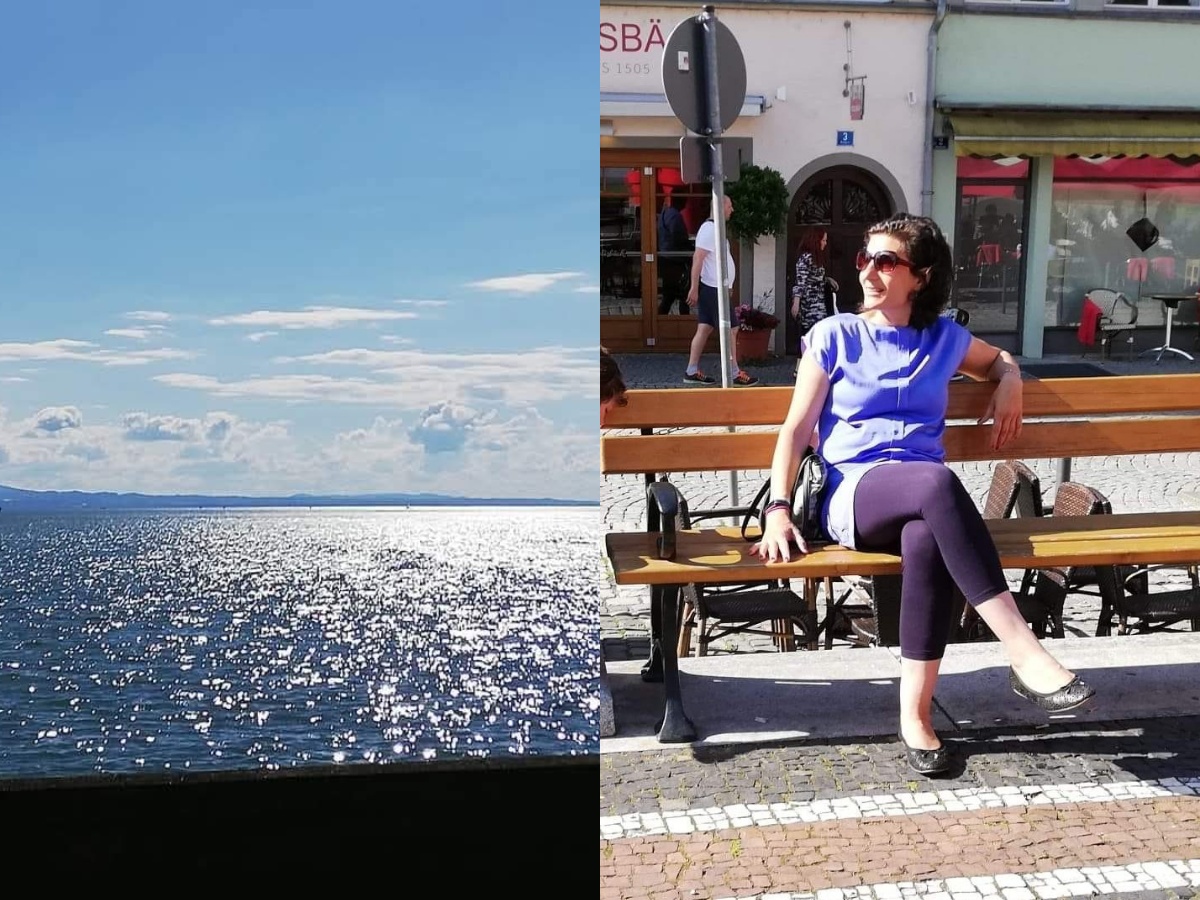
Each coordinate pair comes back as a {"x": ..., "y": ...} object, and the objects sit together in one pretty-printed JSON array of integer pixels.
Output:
[
  {"x": 1176, "y": 878},
  {"x": 810, "y": 857},
  {"x": 1039, "y": 812},
  {"x": 717, "y": 818}
]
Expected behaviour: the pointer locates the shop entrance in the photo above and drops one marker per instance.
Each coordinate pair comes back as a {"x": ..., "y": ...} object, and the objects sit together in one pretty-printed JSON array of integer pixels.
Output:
[{"x": 643, "y": 286}]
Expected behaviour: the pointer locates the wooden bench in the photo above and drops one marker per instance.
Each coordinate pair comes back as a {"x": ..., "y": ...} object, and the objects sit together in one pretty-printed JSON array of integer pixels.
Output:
[{"x": 1064, "y": 418}]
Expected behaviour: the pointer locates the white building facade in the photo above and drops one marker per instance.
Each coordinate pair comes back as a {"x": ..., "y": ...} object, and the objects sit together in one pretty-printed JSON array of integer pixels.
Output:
[{"x": 847, "y": 163}]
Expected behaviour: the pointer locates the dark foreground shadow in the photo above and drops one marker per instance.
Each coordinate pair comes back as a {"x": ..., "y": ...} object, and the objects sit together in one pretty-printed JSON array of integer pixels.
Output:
[
  {"x": 744, "y": 713},
  {"x": 447, "y": 824}
]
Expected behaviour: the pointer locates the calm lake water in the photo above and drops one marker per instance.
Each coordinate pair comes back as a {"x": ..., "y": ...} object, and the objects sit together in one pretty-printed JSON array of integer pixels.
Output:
[{"x": 275, "y": 638}]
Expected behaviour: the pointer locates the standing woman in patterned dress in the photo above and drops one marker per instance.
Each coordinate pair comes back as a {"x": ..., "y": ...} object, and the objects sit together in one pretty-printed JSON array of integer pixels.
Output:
[{"x": 808, "y": 288}]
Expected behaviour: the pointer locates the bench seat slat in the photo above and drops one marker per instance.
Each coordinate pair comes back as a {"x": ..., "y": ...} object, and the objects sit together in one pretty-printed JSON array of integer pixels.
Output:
[
  {"x": 696, "y": 407},
  {"x": 721, "y": 556},
  {"x": 725, "y": 451}
]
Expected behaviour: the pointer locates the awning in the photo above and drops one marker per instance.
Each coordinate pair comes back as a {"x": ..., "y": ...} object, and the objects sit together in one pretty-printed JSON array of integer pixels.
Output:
[
  {"x": 1065, "y": 132},
  {"x": 615, "y": 103}
]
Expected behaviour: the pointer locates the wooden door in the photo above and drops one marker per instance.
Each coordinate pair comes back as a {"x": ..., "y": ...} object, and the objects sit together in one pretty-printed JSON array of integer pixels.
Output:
[{"x": 636, "y": 282}]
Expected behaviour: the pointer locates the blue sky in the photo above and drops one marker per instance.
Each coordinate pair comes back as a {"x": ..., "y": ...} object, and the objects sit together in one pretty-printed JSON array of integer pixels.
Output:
[{"x": 265, "y": 248}]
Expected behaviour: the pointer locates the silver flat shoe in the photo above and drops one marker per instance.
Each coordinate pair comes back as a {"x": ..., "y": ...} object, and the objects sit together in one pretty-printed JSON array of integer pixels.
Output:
[
  {"x": 926, "y": 762},
  {"x": 1074, "y": 693}
]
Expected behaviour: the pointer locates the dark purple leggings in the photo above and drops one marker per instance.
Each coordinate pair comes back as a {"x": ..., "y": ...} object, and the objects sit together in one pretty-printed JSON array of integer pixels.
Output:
[{"x": 922, "y": 511}]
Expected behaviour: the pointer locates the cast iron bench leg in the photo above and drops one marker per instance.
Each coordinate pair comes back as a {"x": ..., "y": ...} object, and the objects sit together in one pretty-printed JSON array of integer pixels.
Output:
[
  {"x": 675, "y": 727},
  {"x": 653, "y": 669}
]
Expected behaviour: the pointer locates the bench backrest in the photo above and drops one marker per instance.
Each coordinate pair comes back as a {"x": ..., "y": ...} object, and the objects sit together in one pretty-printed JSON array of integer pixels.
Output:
[{"x": 1064, "y": 417}]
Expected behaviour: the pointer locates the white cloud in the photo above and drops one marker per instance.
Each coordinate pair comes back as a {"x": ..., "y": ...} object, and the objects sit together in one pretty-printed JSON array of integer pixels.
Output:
[
  {"x": 422, "y": 302},
  {"x": 141, "y": 357},
  {"x": 143, "y": 315},
  {"x": 445, "y": 427},
  {"x": 294, "y": 388},
  {"x": 476, "y": 453},
  {"x": 62, "y": 348},
  {"x": 155, "y": 453},
  {"x": 394, "y": 339},
  {"x": 261, "y": 335},
  {"x": 142, "y": 427},
  {"x": 85, "y": 452},
  {"x": 313, "y": 317},
  {"x": 590, "y": 288},
  {"x": 523, "y": 456},
  {"x": 13, "y": 379},
  {"x": 53, "y": 419},
  {"x": 138, "y": 334},
  {"x": 407, "y": 379},
  {"x": 214, "y": 427},
  {"x": 85, "y": 351},
  {"x": 524, "y": 284}
]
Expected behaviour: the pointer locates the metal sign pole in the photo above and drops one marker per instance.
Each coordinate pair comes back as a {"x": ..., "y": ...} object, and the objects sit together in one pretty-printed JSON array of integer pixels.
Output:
[
  {"x": 708, "y": 21},
  {"x": 1064, "y": 470}
]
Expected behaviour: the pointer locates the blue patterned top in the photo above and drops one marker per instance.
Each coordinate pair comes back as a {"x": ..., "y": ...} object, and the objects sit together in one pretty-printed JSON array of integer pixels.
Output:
[{"x": 888, "y": 388}]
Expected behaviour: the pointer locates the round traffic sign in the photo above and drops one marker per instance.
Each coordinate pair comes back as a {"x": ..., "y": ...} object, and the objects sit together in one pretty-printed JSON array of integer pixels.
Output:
[{"x": 686, "y": 79}]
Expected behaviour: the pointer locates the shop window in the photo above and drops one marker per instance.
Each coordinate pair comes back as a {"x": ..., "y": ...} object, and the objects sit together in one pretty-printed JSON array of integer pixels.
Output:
[
  {"x": 989, "y": 243},
  {"x": 1094, "y": 244}
]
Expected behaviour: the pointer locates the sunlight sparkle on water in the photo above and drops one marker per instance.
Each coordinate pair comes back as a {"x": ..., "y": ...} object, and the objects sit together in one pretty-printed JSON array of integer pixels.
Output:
[{"x": 276, "y": 637}]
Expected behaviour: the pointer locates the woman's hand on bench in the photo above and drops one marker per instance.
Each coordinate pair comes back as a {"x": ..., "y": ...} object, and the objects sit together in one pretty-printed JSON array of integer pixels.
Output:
[
  {"x": 777, "y": 538},
  {"x": 1005, "y": 411}
]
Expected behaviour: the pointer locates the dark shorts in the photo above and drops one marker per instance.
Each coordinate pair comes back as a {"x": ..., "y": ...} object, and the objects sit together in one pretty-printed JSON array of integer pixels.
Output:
[{"x": 706, "y": 307}]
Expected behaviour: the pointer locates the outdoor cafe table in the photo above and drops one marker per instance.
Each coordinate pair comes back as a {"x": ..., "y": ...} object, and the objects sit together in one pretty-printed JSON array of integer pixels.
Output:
[{"x": 1171, "y": 302}]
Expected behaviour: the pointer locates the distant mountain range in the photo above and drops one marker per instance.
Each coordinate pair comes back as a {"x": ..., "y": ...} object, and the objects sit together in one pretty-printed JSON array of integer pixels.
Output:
[{"x": 17, "y": 500}]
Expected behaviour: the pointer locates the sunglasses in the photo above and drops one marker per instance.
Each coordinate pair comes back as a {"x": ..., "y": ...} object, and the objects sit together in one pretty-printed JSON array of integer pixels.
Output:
[{"x": 885, "y": 261}]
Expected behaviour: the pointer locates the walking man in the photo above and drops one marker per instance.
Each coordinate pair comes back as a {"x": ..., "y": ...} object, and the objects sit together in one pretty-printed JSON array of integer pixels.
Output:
[
  {"x": 704, "y": 296},
  {"x": 672, "y": 263}
]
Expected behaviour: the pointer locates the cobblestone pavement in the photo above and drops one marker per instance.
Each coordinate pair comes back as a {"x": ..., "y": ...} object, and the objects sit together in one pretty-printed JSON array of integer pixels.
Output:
[{"x": 1052, "y": 812}]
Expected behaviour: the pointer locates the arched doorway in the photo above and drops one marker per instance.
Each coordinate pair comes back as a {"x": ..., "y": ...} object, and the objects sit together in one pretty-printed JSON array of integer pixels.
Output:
[{"x": 843, "y": 200}]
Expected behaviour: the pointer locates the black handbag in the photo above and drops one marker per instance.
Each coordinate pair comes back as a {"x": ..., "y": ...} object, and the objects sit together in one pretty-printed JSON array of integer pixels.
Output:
[{"x": 808, "y": 494}]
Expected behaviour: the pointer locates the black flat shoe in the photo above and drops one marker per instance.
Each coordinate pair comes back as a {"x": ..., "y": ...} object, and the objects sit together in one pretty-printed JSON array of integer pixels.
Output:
[
  {"x": 926, "y": 762},
  {"x": 1074, "y": 693}
]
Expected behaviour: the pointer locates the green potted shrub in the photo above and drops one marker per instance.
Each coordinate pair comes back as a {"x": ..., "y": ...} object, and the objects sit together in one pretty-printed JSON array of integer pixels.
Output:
[{"x": 760, "y": 203}]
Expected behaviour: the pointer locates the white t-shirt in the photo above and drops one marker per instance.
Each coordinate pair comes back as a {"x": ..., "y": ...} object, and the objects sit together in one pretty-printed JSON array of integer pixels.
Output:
[{"x": 706, "y": 239}]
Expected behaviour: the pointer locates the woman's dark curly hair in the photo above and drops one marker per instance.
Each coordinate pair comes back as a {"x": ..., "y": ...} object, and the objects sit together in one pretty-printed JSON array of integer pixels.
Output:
[{"x": 928, "y": 251}]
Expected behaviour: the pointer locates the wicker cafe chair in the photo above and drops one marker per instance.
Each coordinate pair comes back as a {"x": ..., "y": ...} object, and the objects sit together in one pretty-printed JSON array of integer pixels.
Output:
[
  {"x": 767, "y": 607},
  {"x": 1014, "y": 488},
  {"x": 1128, "y": 596},
  {"x": 1042, "y": 606},
  {"x": 1029, "y": 503},
  {"x": 857, "y": 622},
  {"x": 715, "y": 611},
  {"x": 1118, "y": 316}
]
